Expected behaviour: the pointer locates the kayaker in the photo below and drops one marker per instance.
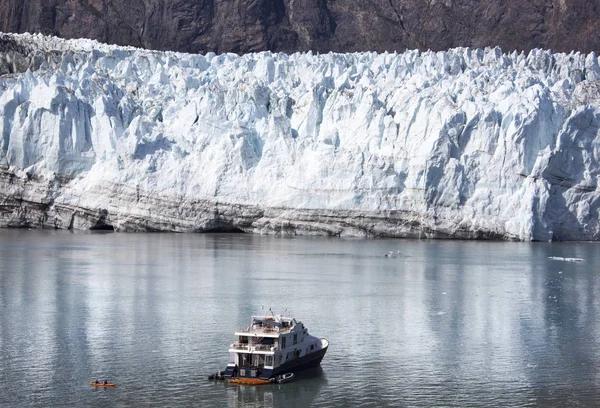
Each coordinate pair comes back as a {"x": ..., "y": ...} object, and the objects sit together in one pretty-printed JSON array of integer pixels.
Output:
[
  {"x": 97, "y": 382},
  {"x": 105, "y": 382}
]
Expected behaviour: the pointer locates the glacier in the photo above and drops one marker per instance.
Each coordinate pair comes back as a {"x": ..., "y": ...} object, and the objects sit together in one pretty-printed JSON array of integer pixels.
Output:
[{"x": 465, "y": 143}]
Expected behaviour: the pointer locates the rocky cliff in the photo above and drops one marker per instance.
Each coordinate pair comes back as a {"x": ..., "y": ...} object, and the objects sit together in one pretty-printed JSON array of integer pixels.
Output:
[{"x": 321, "y": 25}]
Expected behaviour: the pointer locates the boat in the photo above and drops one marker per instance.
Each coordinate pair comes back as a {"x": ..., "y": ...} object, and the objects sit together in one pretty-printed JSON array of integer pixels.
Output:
[
  {"x": 249, "y": 381},
  {"x": 287, "y": 377},
  {"x": 102, "y": 384},
  {"x": 217, "y": 376},
  {"x": 272, "y": 346}
]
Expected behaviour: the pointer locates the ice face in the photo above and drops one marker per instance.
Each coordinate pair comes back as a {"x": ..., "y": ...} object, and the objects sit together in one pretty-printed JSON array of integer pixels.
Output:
[{"x": 464, "y": 143}]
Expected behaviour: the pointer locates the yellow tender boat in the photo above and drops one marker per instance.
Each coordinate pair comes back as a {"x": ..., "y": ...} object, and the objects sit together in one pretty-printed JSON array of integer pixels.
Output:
[
  {"x": 101, "y": 384},
  {"x": 249, "y": 381}
]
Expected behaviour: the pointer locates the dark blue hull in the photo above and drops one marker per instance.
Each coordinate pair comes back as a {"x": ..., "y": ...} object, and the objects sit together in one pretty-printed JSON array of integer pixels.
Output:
[
  {"x": 300, "y": 364},
  {"x": 303, "y": 363}
]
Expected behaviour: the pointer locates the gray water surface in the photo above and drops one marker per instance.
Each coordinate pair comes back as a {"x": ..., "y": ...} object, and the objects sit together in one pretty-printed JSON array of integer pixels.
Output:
[{"x": 435, "y": 323}]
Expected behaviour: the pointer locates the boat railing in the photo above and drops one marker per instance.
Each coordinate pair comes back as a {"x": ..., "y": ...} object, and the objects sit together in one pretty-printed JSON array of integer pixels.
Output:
[
  {"x": 253, "y": 347},
  {"x": 264, "y": 347},
  {"x": 264, "y": 329}
]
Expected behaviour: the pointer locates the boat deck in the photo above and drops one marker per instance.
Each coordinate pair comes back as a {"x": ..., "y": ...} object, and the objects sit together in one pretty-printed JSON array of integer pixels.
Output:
[
  {"x": 254, "y": 347},
  {"x": 263, "y": 330},
  {"x": 249, "y": 381}
]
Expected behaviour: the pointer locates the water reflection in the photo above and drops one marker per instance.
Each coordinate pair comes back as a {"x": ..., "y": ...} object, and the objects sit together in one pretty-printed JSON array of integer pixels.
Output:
[{"x": 299, "y": 393}]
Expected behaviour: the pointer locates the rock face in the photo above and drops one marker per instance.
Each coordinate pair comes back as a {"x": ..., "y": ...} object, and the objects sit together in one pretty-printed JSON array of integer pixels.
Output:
[
  {"x": 463, "y": 143},
  {"x": 321, "y": 25}
]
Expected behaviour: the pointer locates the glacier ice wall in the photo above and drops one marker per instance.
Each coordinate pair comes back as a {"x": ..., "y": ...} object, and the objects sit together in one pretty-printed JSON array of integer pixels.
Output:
[{"x": 464, "y": 143}]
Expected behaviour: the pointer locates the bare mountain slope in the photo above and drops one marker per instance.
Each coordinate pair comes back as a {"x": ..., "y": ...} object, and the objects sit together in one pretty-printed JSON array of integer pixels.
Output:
[{"x": 321, "y": 25}]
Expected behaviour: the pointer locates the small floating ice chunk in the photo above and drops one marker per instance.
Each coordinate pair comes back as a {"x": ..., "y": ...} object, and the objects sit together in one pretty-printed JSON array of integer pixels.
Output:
[{"x": 562, "y": 258}]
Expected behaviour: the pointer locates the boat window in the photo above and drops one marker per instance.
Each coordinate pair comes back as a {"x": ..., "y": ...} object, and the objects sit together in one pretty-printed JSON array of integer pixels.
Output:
[
  {"x": 312, "y": 346},
  {"x": 295, "y": 338},
  {"x": 283, "y": 342},
  {"x": 268, "y": 360}
]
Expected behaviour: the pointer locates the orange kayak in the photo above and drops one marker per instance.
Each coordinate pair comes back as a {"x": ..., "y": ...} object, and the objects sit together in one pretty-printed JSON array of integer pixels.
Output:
[
  {"x": 249, "y": 381},
  {"x": 100, "y": 384}
]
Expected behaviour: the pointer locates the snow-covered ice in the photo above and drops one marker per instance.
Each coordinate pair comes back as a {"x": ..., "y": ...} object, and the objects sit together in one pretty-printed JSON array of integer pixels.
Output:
[{"x": 464, "y": 143}]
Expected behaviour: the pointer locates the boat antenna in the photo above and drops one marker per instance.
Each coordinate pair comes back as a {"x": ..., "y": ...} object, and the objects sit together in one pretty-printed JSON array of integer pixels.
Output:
[{"x": 271, "y": 312}]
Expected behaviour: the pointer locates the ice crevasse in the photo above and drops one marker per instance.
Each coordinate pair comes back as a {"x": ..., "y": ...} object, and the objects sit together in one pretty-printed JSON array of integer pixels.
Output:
[{"x": 466, "y": 143}]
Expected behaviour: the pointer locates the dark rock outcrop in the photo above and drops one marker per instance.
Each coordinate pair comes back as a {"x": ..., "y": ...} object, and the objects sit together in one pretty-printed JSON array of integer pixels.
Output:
[{"x": 321, "y": 25}]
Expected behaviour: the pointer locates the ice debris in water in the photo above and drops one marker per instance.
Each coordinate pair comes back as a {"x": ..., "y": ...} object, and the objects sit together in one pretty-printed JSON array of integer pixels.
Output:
[
  {"x": 560, "y": 258},
  {"x": 466, "y": 143}
]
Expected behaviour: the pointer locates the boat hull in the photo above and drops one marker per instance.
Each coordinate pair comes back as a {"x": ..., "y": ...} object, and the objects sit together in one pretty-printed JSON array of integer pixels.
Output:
[{"x": 301, "y": 364}]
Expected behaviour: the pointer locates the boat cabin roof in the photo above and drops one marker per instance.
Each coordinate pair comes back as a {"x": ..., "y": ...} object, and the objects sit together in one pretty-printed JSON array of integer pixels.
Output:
[{"x": 268, "y": 325}]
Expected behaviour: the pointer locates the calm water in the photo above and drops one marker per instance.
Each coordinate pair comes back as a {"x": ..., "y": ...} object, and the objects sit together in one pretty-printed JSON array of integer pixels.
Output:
[{"x": 456, "y": 324}]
